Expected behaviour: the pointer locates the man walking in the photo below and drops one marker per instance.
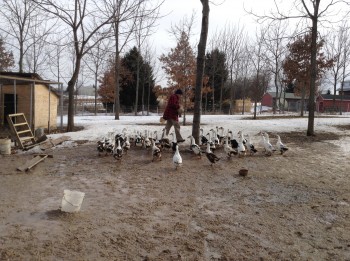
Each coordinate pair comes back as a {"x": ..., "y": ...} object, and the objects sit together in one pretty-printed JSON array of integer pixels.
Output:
[{"x": 171, "y": 115}]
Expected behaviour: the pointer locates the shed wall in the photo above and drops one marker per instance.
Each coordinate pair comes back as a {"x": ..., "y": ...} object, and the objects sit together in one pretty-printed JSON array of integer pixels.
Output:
[{"x": 42, "y": 106}]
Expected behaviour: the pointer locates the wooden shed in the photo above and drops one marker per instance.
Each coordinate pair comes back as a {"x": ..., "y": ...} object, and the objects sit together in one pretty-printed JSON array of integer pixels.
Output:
[{"x": 28, "y": 93}]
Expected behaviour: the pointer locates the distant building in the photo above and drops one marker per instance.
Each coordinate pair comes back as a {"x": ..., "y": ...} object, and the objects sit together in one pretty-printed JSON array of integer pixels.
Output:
[
  {"x": 346, "y": 88},
  {"x": 333, "y": 103},
  {"x": 292, "y": 102}
]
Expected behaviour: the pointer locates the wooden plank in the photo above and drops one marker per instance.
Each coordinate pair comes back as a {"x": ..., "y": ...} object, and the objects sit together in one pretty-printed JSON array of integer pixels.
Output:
[
  {"x": 31, "y": 163},
  {"x": 60, "y": 140},
  {"x": 40, "y": 154},
  {"x": 53, "y": 142}
]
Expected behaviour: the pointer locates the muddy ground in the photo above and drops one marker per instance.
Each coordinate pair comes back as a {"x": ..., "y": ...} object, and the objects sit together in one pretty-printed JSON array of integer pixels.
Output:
[{"x": 291, "y": 207}]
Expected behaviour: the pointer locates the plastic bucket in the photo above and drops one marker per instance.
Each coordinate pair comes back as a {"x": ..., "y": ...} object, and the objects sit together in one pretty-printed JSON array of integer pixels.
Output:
[
  {"x": 72, "y": 200},
  {"x": 5, "y": 146}
]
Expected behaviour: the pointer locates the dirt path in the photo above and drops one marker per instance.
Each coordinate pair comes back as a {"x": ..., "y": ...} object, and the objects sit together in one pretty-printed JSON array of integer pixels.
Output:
[{"x": 292, "y": 207}]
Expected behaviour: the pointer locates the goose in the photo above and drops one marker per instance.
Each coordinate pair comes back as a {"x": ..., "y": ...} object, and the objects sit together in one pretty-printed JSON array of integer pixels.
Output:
[
  {"x": 250, "y": 146},
  {"x": 156, "y": 152},
  {"x": 177, "y": 159},
  {"x": 280, "y": 146},
  {"x": 118, "y": 152},
  {"x": 269, "y": 149},
  {"x": 211, "y": 156},
  {"x": 194, "y": 147},
  {"x": 241, "y": 148},
  {"x": 228, "y": 149}
]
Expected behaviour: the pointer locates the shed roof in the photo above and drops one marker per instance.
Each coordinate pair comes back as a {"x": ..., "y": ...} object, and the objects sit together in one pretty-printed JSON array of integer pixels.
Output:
[
  {"x": 288, "y": 95},
  {"x": 21, "y": 78},
  {"x": 8, "y": 78},
  {"x": 337, "y": 97}
]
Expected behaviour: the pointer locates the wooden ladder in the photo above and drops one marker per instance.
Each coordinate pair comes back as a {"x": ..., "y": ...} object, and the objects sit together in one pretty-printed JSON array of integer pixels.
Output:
[{"x": 20, "y": 128}]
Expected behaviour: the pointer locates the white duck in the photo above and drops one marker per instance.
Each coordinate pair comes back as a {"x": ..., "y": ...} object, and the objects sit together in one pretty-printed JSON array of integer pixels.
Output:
[
  {"x": 211, "y": 156},
  {"x": 280, "y": 146},
  {"x": 194, "y": 147},
  {"x": 228, "y": 149},
  {"x": 241, "y": 148},
  {"x": 269, "y": 149},
  {"x": 177, "y": 159}
]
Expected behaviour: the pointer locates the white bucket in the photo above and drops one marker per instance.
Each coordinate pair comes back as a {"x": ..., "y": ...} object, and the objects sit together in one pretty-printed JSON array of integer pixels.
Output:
[
  {"x": 5, "y": 146},
  {"x": 72, "y": 200}
]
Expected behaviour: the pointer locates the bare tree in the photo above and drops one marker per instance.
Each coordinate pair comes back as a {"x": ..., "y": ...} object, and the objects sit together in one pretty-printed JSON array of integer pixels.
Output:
[
  {"x": 200, "y": 70},
  {"x": 235, "y": 38},
  {"x": 145, "y": 22},
  {"x": 95, "y": 60},
  {"x": 37, "y": 55},
  {"x": 84, "y": 20},
  {"x": 315, "y": 12},
  {"x": 125, "y": 14},
  {"x": 337, "y": 47},
  {"x": 17, "y": 18},
  {"x": 260, "y": 64},
  {"x": 274, "y": 41}
]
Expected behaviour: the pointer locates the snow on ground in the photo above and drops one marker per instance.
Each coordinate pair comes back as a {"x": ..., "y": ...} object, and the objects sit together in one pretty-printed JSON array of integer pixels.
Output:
[{"x": 97, "y": 127}]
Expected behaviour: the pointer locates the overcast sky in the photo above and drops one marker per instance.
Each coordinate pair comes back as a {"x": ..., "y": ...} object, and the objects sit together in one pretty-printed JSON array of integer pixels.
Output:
[{"x": 222, "y": 12}]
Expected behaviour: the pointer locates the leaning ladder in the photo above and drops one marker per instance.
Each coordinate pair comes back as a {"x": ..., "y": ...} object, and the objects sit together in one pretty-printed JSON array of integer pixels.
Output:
[{"x": 20, "y": 128}]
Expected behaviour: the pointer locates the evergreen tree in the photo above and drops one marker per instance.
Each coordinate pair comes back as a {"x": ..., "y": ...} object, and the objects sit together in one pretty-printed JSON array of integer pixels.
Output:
[
  {"x": 217, "y": 72},
  {"x": 6, "y": 58},
  {"x": 128, "y": 88}
]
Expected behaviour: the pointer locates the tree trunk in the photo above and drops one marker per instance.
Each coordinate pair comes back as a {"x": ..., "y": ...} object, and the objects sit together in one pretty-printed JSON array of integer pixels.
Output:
[
  {"x": 221, "y": 90},
  {"x": 302, "y": 101},
  {"x": 71, "y": 84},
  {"x": 310, "y": 127},
  {"x": 117, "y": 73},
  {"x": 200, "y": 71},
  {"x": 137, "y": 82}
]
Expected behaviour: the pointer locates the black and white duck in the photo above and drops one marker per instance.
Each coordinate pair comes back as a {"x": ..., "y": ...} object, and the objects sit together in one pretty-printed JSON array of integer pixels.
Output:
[
  {"x": 280, "y": 146},
  {"x": 195, "y": 147},
  {"x": 211, "y": 156}
]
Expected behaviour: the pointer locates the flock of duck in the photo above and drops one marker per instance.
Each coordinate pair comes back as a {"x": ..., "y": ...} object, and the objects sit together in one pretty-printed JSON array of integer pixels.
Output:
[{"x": 118, "y": 144}]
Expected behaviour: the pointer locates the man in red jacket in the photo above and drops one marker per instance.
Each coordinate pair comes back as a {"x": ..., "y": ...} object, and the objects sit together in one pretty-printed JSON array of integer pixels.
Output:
[{"x": 171, "y": 115}]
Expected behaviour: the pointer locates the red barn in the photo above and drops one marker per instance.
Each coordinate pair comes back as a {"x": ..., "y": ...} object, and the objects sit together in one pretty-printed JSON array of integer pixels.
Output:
[{"x": 332, "y": 103}]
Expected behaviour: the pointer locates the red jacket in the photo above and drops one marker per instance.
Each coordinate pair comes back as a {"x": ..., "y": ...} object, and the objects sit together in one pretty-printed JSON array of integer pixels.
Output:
[{"x": 171, "y": 110}]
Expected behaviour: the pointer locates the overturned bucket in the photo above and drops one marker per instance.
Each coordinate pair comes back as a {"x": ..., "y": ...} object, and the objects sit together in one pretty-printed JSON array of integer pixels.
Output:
[
  {"x": 5, "y": 146},
  {"x": 72, "y": 200}
]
